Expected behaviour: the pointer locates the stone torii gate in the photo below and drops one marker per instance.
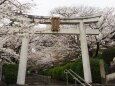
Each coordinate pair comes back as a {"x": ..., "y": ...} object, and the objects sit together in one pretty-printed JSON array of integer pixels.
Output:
[{"x": 81, "y": 21}]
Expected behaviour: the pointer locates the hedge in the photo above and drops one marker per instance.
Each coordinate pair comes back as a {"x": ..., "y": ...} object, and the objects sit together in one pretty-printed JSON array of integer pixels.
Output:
[
  {"x": 10, "y": 73},
  {"x": 58, "y": 72}
]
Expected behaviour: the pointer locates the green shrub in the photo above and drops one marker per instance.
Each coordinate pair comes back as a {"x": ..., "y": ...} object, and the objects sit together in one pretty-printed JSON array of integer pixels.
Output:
[
  {"x": 78, "y": 67},
  {"x": 108, "y": 55},
  {"x": 95, "y": 70},
  {"x": 99, "y": 56},
  {"x": 10, "y": 73},
  {"x": 58, "y": 72}
]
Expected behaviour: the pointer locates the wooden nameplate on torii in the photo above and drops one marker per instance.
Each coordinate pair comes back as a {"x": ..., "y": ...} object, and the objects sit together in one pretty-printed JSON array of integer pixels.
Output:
[{"x": 55, "y": 22}]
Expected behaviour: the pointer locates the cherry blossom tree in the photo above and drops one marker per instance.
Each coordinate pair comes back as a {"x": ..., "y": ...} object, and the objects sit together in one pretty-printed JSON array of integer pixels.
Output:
[
  {"x": 9, "y": 12},
  {"x": 105, "y": 25},
  {"x": 49, "y": 49}
]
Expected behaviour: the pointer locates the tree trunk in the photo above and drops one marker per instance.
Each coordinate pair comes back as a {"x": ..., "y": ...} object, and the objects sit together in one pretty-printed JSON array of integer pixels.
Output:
[{"x": 97, "y": 49}]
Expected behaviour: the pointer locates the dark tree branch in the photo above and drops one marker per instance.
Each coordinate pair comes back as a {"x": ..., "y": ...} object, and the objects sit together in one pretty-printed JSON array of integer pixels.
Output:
[
  {"x": 3, "y": 2},
  {"x": 98, "y": 47}
]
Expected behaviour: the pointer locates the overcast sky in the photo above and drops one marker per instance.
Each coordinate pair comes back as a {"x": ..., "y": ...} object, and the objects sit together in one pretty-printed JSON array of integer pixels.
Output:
[{"x": 44, "y": 6}]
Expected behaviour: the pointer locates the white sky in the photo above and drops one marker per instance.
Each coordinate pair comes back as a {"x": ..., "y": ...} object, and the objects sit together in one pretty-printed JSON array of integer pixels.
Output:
[{"x": 45, "y": 6}]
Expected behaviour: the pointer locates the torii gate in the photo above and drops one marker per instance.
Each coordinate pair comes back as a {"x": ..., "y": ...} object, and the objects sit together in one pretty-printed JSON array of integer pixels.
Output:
[{"x": 82, "y": 31}]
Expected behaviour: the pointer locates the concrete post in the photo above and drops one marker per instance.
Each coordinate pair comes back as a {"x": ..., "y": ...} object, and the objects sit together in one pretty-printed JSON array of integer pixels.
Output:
[
  {"x": 102, "y": 72},
  {"x": 85, "y": 54},
  {"x": 23, "y": 61},
  {"x": 1, "y": 64}
]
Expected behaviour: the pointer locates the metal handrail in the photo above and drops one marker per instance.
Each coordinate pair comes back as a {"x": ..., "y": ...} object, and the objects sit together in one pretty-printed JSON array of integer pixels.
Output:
[
  {"x": 76, "y": 77},
  {"x": 79, "y": 77}
]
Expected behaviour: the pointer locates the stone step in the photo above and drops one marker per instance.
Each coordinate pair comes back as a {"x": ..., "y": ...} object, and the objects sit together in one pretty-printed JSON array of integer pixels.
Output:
[
  {"x": 74, "y": 85},
  {"x": 103, "y": 84},
  {"x": 50, "y": 85},
  {"x": 44, "y": 85},
  {"x": 53, "y": 85},
  {"x": 67, "y": 85}
]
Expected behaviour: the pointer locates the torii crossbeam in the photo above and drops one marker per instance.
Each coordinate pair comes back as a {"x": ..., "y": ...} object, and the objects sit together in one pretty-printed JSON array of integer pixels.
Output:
[{"x": 81, "y": 31}]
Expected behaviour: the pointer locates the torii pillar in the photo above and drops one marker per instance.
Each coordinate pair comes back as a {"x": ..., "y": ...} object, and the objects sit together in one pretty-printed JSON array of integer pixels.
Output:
[
  {"x": 23, "y": 61},
  {"x": 85, "y": 54}
]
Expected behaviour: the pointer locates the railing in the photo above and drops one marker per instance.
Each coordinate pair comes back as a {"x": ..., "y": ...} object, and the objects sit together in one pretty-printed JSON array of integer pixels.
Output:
[{"x": 76, "y": 77}]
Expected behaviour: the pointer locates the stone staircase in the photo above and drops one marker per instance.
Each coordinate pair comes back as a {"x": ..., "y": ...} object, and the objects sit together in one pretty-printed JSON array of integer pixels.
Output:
[
  {"x": 40, "y": 80},
  {"x": 37, "y": 79}
]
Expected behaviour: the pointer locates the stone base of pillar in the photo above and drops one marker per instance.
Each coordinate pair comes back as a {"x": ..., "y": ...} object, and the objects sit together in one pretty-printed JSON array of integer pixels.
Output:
[{"x": 22, "y": 85}]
